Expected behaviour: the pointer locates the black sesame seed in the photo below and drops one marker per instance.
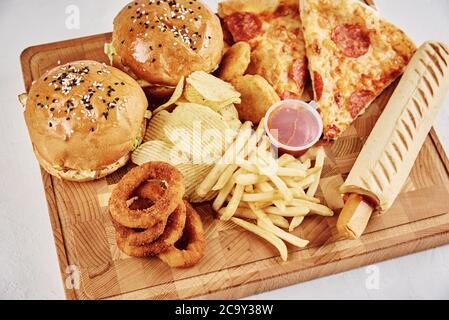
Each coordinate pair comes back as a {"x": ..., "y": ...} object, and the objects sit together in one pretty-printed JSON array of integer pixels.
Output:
[
  {"x": 37, "y": 96},
  {"x": 92, "y": 129},
  {"x": 50, "y": 124},
  {"x": 123, "y": 41},
  {"x": 154, "y": 60},
  {"x": 52, "y": 109}
]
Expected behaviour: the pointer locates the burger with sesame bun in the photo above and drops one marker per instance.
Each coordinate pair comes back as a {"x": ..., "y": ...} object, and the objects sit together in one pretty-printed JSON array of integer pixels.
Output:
[
  {"x": 84, "y": 119},
  {"x": 159, "y": 41}
]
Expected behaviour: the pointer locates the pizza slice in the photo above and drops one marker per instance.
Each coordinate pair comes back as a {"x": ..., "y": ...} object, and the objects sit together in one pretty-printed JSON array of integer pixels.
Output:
[
  {"x": 274, "y": 31},
  {"x": 353, "y": 56}
]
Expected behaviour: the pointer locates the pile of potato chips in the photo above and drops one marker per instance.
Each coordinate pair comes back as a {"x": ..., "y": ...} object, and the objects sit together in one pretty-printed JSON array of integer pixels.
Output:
[{"x": 193, "y": 129}]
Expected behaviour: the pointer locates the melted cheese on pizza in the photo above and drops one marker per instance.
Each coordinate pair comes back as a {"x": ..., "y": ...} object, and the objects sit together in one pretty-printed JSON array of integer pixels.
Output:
[
  {"x": 353, "y": 56},
  {"x": 277, "y": 42}
]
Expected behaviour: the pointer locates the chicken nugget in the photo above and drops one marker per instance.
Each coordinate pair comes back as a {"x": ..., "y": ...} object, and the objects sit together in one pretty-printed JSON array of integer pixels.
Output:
[
  {"x": 235, "y": 61},
  {"x": 257, "y": 97}
]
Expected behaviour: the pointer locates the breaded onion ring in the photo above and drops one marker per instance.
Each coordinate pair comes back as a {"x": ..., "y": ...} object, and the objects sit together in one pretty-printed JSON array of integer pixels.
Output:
[
  {"x": 194, "y": 237},
  {"x": 162, "y": 208},
  {"x": 172, "y": 233},
  {"x": 147, "y": 194}
]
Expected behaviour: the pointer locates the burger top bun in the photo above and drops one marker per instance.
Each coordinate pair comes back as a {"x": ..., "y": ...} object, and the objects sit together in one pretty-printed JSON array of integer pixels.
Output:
[
  {"x": 160, "y": 41},
  {"x": 84, "y": 116}
]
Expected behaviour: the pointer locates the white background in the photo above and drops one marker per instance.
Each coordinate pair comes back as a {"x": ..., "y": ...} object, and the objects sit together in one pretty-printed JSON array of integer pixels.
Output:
[{"x": 28, "y": 263}]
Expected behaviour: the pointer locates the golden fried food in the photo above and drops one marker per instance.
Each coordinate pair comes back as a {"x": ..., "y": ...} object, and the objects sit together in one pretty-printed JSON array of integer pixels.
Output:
[
  {"x": 147, "y": 194},
  {"x": 188, "y": 251},
  {"x": 235, "y": 61},
  {"x": 161, "y": 209},
  {"x": 171, "y": 234},
  {"x": 257, "y": 97}
]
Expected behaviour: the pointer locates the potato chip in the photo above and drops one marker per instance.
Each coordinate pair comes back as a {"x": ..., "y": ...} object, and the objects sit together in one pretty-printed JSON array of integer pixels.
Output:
[
  {"x": 195, "y": 198},
  {"x": 229, "y": 112},
  {"x": 175, "y": 97},
  {"x": 157, "y": 151},
  {"x": 156, "y": 127},
  {"x": 212, "y": 88},
  {"x": 193, "y": 174}
]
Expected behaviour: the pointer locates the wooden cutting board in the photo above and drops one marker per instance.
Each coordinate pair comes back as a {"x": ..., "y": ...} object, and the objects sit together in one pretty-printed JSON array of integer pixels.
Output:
[{"x": 237, "y": 263}]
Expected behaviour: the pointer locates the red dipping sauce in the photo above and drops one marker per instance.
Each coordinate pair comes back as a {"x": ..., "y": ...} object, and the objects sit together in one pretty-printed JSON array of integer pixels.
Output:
[{"x": 293, "y": 126}]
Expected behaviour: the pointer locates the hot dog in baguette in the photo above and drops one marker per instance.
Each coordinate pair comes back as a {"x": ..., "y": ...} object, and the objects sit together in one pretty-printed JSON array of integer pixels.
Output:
[{"x": 394, "y": 144}]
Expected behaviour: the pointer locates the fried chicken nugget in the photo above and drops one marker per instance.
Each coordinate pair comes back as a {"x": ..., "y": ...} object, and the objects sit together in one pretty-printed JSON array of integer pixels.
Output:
[
  {"x": 257, "y": 97},
  {"x": 235, "y": 61}
]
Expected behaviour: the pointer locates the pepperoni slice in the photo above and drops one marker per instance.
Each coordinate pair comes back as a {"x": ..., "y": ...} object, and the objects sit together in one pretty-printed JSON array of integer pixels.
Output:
[
  {"x": 317, "y": 85},
  {"x": 331, "y": 132},
  {"x": 243, "y": 26},
  {"x": 351, "y": 39},
  {"x": 338, "y": 99},
  {"x": 286, "y": 10},
  {"x": 298, "y": 72},
  {"x": 358, "y": 101}
]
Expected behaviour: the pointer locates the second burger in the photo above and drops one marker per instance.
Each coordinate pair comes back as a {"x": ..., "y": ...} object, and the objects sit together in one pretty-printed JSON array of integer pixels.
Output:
[{"x": 158, "y": 42}]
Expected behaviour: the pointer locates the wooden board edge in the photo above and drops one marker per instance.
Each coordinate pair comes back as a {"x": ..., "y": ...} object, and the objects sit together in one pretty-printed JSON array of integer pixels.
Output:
[
  {"x": 327, "y": 269},
  {"x": 28, "y": 53},
  {"x": 258, "y": 286},
  {"x": 440, "y": 149}
]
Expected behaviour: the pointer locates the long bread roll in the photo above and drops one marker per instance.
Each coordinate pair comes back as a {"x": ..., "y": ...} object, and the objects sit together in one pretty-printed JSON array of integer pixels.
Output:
[{"x": 394, "y": 144}]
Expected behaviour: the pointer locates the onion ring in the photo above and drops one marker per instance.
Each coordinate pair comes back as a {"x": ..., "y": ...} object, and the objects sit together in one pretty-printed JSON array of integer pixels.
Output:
[
  {"x": 194, "y": 237},
  {"x": 172, "y": 233},
  {"x": 162, "y": 208},
  {"x": 146, "y": 193}
]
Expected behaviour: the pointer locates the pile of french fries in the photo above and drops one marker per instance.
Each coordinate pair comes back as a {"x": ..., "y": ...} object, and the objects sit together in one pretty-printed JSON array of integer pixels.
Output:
[{"x": 263, "y": 193}]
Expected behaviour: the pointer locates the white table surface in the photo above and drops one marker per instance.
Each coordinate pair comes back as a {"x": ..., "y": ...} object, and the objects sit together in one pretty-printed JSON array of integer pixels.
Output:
[{"x": 28, "y": 263}]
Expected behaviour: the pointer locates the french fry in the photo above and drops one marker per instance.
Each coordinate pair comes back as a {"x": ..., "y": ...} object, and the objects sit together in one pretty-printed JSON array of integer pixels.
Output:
[
  {"x": 249, "y": 178},
  {"x": 315, "y": 208},
  {"x": 274, "y": 240},
  {"x": 249, "y": 189},
  {"x": 225, "y": 176},
  {"x": 319, "y": 162},
  {"x": 266, "y": 187},
  {"x": 247, "y": 213},
  {"x": 282, "y": 187},
  {"x": 247, "y": 149},
  {"x": 290, "y": 238},
  {"x": 295, "y": 223},
  {"x": 288, "y": 212},
  {"x": 298, "y": 193},
  {"x": 208, "y": 183},
  {"x": 222, "y": 195},
  {"x": 286, "y": 159},
  {"x": 305, "y": 183},
  {"x": 292, "y": 172},
  {"x": 265, "y": 223},
  {"x": 269, "y": 196},
  {"x": 309, "y": 155},
  {"x": 227, "y": 212}
]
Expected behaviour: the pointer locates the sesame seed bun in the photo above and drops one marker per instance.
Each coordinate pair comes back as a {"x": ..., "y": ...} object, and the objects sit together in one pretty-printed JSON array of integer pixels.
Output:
[
  {"x": 84, "y": 118},
  {"x": 161, "y": 41}
]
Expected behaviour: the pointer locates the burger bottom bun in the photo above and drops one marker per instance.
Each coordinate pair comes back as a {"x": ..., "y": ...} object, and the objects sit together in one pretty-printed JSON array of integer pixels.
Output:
[
  {"x": 86, "y": 175},
  {"x": 150, "y": 89},
  {"x": 81, "y": 175}
]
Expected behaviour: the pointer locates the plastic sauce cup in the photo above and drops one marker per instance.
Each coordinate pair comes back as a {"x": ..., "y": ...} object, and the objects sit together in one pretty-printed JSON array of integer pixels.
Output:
[{"x": 293, "y": 126}]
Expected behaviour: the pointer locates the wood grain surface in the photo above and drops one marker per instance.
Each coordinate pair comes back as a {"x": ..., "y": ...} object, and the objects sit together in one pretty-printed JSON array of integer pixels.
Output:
[{"x": 237, "y": 263}]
